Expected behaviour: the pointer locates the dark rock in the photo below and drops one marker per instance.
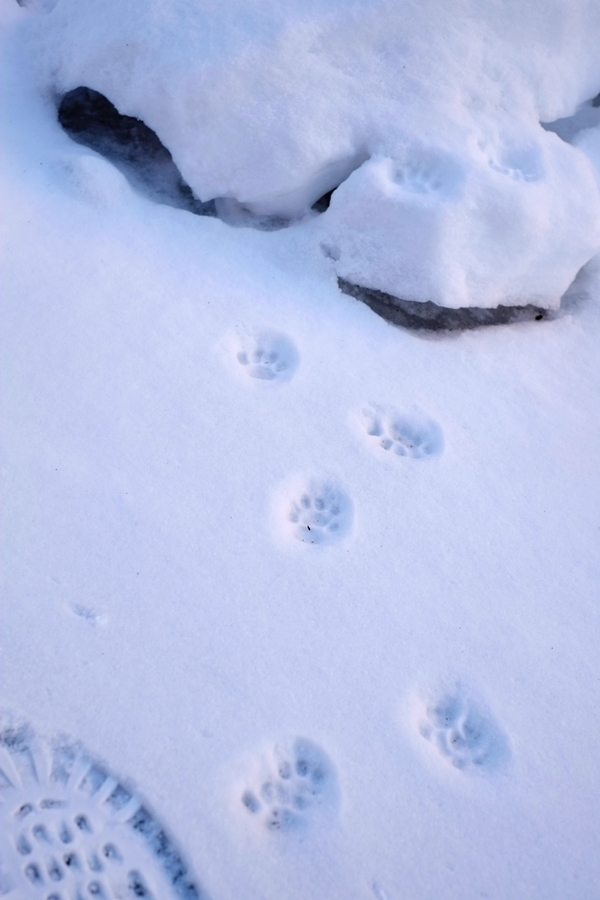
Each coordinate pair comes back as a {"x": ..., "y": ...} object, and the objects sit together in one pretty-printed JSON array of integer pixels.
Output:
[
  {"x": 431, "y": 317},
  {"x": 91, "y": 119},
  {"x": 322, "y": 204}
]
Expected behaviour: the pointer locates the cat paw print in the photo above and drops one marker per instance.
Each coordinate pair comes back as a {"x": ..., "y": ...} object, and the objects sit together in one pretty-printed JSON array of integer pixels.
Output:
[
  {"x": 297, "y": 782},
  {"x": 521, "y": 163},
  {"x": 429, "y": 172},
  {"x": 70, "y": 829},
  {"x": 266, "y": 355},
  {"x": 316, "y": 511},
  {"x": 462, "y": 732},
  {"x": 402, "y": 434}
]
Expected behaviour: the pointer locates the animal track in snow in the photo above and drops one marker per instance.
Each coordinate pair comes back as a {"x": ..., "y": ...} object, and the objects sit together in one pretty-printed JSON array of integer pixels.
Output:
[
  {"x": 72, "y": 831},
  {"x": 266, "y": 355},
  {"x": 295, "y": 782},
  {"x": 519, "y": 163},
  {"x": 88, "y": 614},
  {"x": 462, "y": 732},
  {"x": 379, "y": 892},
  {"x": 316, "y": 511},
  {"x": 403, "y": 434},
  {"x": 429, "y": 172}
]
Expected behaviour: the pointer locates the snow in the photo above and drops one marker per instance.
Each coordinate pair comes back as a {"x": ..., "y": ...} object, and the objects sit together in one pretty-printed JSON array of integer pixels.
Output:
[
  {"x": 406, "y": 705},
  {"x": 428, "y": 116},
  {"x": 432, "y": 226}
]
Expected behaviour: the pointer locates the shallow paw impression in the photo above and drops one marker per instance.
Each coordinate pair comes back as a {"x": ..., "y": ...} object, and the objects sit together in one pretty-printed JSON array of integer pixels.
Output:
[
  {"x": 519, "y": 163},
  {"x": 72, "y": 831},
  {"x": 317, "y": 511},
  {"x": 402, "y": 434},
  {"x": 266, "y": 355},
  {"x": 429, "y": 173},
  {"x": 295, "y": 783},
  {"x": 462, "y": 732}
]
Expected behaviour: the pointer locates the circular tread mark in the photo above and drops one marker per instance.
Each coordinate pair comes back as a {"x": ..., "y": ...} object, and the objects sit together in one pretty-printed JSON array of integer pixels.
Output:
[{"x": 67, "y": 822}]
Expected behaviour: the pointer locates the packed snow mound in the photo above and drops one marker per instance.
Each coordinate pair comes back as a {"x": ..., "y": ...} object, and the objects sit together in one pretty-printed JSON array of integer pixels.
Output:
[
  {"x": 427, "y": 114},
  {"x": 508, "y": 228}
]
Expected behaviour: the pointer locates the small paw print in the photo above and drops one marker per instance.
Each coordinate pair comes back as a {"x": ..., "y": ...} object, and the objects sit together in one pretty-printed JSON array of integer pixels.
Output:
[
  {"x": 403, "y": 434},
  {"x": 429, "y": 172},
  {"x": 315, "y": 516},
  {"x": 266, "y": 356},
  {"x": 461, "y": 732},
  {"x": 521, "y": 163},
  {"x": 319, "y": 511},
  {"x": 298, "y": 780},
  {"x": 419, "y": 177}
]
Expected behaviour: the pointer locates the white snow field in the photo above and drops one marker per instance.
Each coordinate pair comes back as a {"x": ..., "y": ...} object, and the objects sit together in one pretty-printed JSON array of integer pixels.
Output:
[{"x": 298, "y": 604}]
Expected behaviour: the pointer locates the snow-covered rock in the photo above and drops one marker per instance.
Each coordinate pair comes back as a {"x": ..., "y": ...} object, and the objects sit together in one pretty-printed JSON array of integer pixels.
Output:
[
  {"x": 427, "y": 114},
  {"x": 471, "y": 228}
]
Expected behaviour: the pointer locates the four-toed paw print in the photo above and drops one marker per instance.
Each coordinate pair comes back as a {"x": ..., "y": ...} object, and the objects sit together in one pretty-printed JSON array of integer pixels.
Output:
[
  {"x": 319, "y": 511},
  {"x": 266, "y": 355},
  {"x": 297, "y": 781},
  {"x": 462, "y": 732},
  {"x": 403, "y": 434}
]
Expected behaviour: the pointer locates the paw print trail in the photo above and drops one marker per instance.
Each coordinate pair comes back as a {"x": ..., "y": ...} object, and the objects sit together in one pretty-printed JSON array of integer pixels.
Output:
[
  {"x": 72, "y": 830},
  {"x": 297, "y": 784}
]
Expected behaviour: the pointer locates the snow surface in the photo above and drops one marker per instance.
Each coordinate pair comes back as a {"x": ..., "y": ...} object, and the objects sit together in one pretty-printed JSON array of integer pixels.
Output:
[{"x": 405, "y": 706}]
